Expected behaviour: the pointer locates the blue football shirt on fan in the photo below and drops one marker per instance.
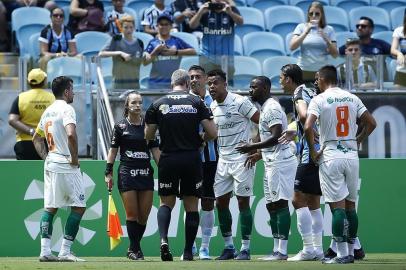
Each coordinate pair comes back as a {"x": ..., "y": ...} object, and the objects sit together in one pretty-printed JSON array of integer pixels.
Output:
[{"x": 164, "y": 66}]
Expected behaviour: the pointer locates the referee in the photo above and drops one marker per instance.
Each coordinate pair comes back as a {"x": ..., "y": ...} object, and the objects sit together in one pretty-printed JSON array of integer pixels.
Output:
[{"x": 178, "y": 115}]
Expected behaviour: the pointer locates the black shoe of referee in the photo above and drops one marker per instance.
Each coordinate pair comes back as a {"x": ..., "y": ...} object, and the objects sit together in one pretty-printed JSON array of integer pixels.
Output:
[{"x": 166, "y": 254}]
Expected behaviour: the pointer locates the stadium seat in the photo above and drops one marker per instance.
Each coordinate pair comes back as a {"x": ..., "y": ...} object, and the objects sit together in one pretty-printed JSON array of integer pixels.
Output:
[
  {"x": 304, "y": 4},
  {"x": 337, "y": 18},
  {"x": 384, "y": 35},
  {"x": 144, "y": 37},
  {"x": 253, "y": 21},
  {"x": 388, "y": 5},
  {"x": 264, "y": 4},
  {"x": 283, "y": 19},
  {"x": 245, "y": 68},
  {"x": 127, "y": 10},
  {"x": 272, "y": 68},
  {"x": 189, "y": 39},
  {"x": 28, "y": 15},
  {"x": 23, "y": 35},
  {"x": 348, "y": 5},
  {"x": 188, "y": 61},
  {"x": 66, "y": 66},
  {"x": 294, "y": 53},
  {"x": 139, "y": 5},
  {"x": 238, "y": 49},
  {"x": 379, "y": 15},
  {"x": 34, "y": 49},
  {"x": 62, "y": 3},
  {"x": 342, "y": 37},
  {"x": 262, "y": 45},
  {"x": 91, "y": 42},
  {"x": 240, "y": 3},
  {"x": 396, "y": 16}
]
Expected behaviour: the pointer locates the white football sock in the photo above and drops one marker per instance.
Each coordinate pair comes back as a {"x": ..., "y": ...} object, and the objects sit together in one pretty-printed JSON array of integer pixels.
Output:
[
  {"x": 304, "y": 226},
  {"x": 228, "y": 241},
  {"x": 65, "y": 247},
  {"x": 245, "y": 244},
  {"x": 283, "y": 247},
  {"x": 317, "y": 230},
  {"x": 357, "y": 243},
  {"x": 333, "y": 245},
  {"x": 275, "y": 244},
  {"x": 206, "y": 223},
  {"x": 342, "y": 249},
  {"x": 45, "y": 247}
]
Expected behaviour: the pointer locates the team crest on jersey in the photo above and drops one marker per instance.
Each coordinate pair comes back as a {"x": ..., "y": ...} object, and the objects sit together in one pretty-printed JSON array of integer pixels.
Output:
[
  {"x": 122, "y": 126},
  {"x": 164, "y": 108},
  {"x": 330, "y": 100},
  {"x": 225, "y": 20},
  {"x": 82, "y": 197},
  {"x": 228, "y": 115}
]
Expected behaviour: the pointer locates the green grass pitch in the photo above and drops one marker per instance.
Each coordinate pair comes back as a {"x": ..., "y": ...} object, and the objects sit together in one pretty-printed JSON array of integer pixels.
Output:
[{"x": 378, "y": 261}]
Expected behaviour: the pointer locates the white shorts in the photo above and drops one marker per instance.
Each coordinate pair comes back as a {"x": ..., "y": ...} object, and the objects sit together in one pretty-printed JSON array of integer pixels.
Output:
[
  {"x": 279, "y": 180},
  {"x": 233, "y": 177},
  {"x": 63, "y": 189},
  {"x": 339, "y": 179}
]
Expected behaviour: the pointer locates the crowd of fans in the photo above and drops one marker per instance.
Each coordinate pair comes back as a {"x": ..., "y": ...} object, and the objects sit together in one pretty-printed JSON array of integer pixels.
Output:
[{"x": 213, "y": 23}]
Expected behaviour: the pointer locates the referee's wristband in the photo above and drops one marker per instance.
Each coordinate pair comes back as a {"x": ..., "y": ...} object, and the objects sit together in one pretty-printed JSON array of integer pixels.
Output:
[{"x": 109, "y": 168}]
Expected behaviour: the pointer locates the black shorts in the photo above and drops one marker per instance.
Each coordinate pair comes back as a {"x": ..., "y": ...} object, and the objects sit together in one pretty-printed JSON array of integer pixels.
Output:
[
  {"x": 209, "y": 172},
  {"x": 180, "y": 174},
  {"x": 135, "y": 178},
  {"x": 25, "y": 150},
  {"x": 307, "y": 179}
]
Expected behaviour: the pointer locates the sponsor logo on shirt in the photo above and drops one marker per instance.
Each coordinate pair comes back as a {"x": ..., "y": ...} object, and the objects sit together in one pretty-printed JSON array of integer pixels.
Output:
[
  {"x": 221, "y": 31},
  {"x": 227, "y": 125},
  {"x": 182, "y": 109},
  {"x": 132, "y": 154},
  {"x": 331, "y": 100}
]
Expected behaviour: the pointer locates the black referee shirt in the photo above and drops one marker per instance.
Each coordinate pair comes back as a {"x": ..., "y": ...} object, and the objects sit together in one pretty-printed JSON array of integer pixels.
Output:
[{"x": 178, "y": 115}]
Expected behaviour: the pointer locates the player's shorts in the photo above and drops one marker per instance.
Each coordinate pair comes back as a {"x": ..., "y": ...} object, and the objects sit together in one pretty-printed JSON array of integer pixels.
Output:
[
  {"x": 307, "y": 179},
  {"x": 63, "y": 189},
  {"x": 234, "y": 177},
  {"x": 180, "y": 174},
  {"x": 279, "y": 180},
  {"x": 339, "y": 179},
  {"x": 135, "y": 178},
  {"x": 209, "y": 173}
]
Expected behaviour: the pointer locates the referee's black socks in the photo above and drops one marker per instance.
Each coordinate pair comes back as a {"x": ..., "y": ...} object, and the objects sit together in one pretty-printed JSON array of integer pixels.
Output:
[
  {"x": 164, "y": 219},
  {"x": 132, "y": 230},
  {"x": 191, "y": 227}
]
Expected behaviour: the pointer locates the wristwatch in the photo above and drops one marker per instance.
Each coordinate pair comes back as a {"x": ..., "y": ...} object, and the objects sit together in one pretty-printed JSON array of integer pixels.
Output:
[{"x": 32, "y": 131}]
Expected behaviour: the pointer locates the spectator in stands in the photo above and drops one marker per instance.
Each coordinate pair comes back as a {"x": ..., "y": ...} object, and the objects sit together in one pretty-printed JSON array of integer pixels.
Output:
[
  {"x": 86, "y": 15},
  {"x": 164, "y": 52},
  {"x": 26, "y": 112},
  {"x": 150, "y": 17},
  {"x": 56, "y": 39},
  {"x": 113, "y": 17},
  {"x": 398, "y": 50},
  {"x": 316, "y": 40},
  {"x": 127, "y": 53},
  {"x": 363, "y": 75},
  {"x": 4, "y": 37},
  {"x": 11, "y": 5},
  {"x": 369, "y": 45},
  {"x": 217, "y": 18},
  {"x": 183, "y": 11}
]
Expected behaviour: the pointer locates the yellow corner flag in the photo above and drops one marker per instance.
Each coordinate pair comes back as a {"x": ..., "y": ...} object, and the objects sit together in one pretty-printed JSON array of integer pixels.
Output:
[{"x": 114, "y": 230}]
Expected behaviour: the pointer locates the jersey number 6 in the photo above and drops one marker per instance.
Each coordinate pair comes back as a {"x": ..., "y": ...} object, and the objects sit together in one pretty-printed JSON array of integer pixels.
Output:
[{"x": 342, "y": 127}]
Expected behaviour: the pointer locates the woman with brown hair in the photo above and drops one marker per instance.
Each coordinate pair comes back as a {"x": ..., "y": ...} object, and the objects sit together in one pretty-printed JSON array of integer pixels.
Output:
[
  {"x": 135, "y": 173},
  {"x": 316, "y": 40}
]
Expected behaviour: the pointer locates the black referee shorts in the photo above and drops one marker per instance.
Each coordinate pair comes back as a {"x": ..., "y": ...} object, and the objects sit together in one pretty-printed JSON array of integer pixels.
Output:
[
  {"x": 135, "y": 178},
  {"x": 180, "y": 174},
  {"x": 307, "y": 179},
  {"x": 209, "y": 172}
]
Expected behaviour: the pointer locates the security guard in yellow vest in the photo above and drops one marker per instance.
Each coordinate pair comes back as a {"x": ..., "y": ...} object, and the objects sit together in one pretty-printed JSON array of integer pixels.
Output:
[{"x": 26, "y": 112}]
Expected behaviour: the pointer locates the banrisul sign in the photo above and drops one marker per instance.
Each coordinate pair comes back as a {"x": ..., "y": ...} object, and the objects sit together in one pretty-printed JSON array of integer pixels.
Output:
[{"x": 22, "y": 204}]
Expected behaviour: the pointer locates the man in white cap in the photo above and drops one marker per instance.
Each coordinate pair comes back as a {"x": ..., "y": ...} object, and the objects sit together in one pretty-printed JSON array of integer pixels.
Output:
[{"x": 26, "y": 111}]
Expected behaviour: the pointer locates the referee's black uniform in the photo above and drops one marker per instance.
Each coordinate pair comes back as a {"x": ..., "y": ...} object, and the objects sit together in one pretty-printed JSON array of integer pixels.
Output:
[{"x": 178, "y": 115}]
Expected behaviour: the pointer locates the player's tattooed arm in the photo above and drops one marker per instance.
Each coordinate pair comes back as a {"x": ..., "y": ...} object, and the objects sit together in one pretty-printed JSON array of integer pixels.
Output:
[{"x": 39, "y": 145}]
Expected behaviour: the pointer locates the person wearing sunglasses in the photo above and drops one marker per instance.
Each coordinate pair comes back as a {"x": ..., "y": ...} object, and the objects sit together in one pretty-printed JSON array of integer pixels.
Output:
[
  {"x": 363, "y": 75},
  {"x": 316, "y": 40},
  {"x": 369, "y": 45},
  {"x": 56, "y": 39}
]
